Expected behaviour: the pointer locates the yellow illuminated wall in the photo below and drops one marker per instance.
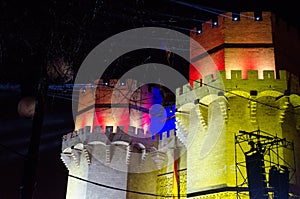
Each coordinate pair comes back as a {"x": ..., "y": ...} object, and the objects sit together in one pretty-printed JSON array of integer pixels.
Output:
[
  {"x": 214, "y": 121},
  {"x": 245, "y": 56}
]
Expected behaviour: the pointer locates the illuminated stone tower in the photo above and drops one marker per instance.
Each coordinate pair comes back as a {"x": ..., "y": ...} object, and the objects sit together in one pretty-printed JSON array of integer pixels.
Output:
[
  {"x": 112, "y": 149},
  {"x": 248, "y": 105}
]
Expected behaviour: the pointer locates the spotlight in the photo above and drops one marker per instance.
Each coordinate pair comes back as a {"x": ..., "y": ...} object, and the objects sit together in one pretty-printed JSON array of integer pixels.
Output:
[
  {"x": 199, "y": 29},
  {"x": 106, "y": 82},
  {"x": 214, "y": 21},
  {"x": 122, "y": 83},
  {"x": 257, "y": 15},
  {"x": 235, "y": 16}
]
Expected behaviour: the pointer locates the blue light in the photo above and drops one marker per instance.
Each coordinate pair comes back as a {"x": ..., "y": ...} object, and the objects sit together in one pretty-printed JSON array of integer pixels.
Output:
[
  {"x": 162, "y": 119},
  {"x": 199, "y": 31}
]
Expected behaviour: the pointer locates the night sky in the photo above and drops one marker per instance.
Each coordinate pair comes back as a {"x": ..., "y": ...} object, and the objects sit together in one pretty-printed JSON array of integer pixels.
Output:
[{"x": 34, "y": 35}]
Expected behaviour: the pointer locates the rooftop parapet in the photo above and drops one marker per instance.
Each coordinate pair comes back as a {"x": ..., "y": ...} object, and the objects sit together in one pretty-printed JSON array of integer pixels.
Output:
[
  {"x": 215, "y": 83},
  {"x": 111, "y": 134},
  {"x": 82, "y": 143}
]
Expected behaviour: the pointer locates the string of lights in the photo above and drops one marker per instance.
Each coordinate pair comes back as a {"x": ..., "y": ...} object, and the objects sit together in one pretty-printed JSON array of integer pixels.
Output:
[
  {"x": 66, "y": 96},
  {"x": 227, "y": 91}
]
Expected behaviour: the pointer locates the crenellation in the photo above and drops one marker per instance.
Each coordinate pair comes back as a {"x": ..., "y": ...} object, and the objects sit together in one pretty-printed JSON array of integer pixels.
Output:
[
  {"x": 207, "y": 26},
  {"x": 252, "y": 74},
  {"x": 283, "y": 74},
  {"x": 82, "y": 133},
  {"x": 235, "y": 83},
  {"x": 131, "y": 130},
  {"x": 186, "y": 88},
  {"x": 87, "y": 129},
  {"x": 167, "y": 140},
  {"x": 78, "y": 143},
  {"x": 98, "y": 129},
  {"x": 120, "y": 129},
  {"x": 268, "y": 75},
  {"x": 236, "y": 74},
  {"x": 201, "y": 92},
  {"x": 150, "y": 135},
  {"x": 70, "y": 140},
  {"x": 220, "y": 74},
  {"x": 140, "y": 132}
]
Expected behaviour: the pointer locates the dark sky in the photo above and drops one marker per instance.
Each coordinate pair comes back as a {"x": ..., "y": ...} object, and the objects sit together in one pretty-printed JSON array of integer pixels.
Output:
[{"x": 35, "y": 34}]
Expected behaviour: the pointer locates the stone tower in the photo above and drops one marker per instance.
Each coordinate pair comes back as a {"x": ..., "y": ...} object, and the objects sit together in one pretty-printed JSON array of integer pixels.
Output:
[
  {"x": 246, "y": 97},
  {"x": 112, "y": 149}
]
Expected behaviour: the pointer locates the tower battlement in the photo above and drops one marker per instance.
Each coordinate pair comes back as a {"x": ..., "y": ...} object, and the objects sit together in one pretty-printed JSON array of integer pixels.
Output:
[
  {"x": 110, "y": 134},
  {"x": 218, "y": 84},
  {"x": 78, "y": 142},
  {"x": 228, "y": 30}
]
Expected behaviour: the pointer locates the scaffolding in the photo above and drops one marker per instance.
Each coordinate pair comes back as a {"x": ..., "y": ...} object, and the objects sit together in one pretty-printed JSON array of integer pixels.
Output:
[{"x": 276, "y": 152}]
